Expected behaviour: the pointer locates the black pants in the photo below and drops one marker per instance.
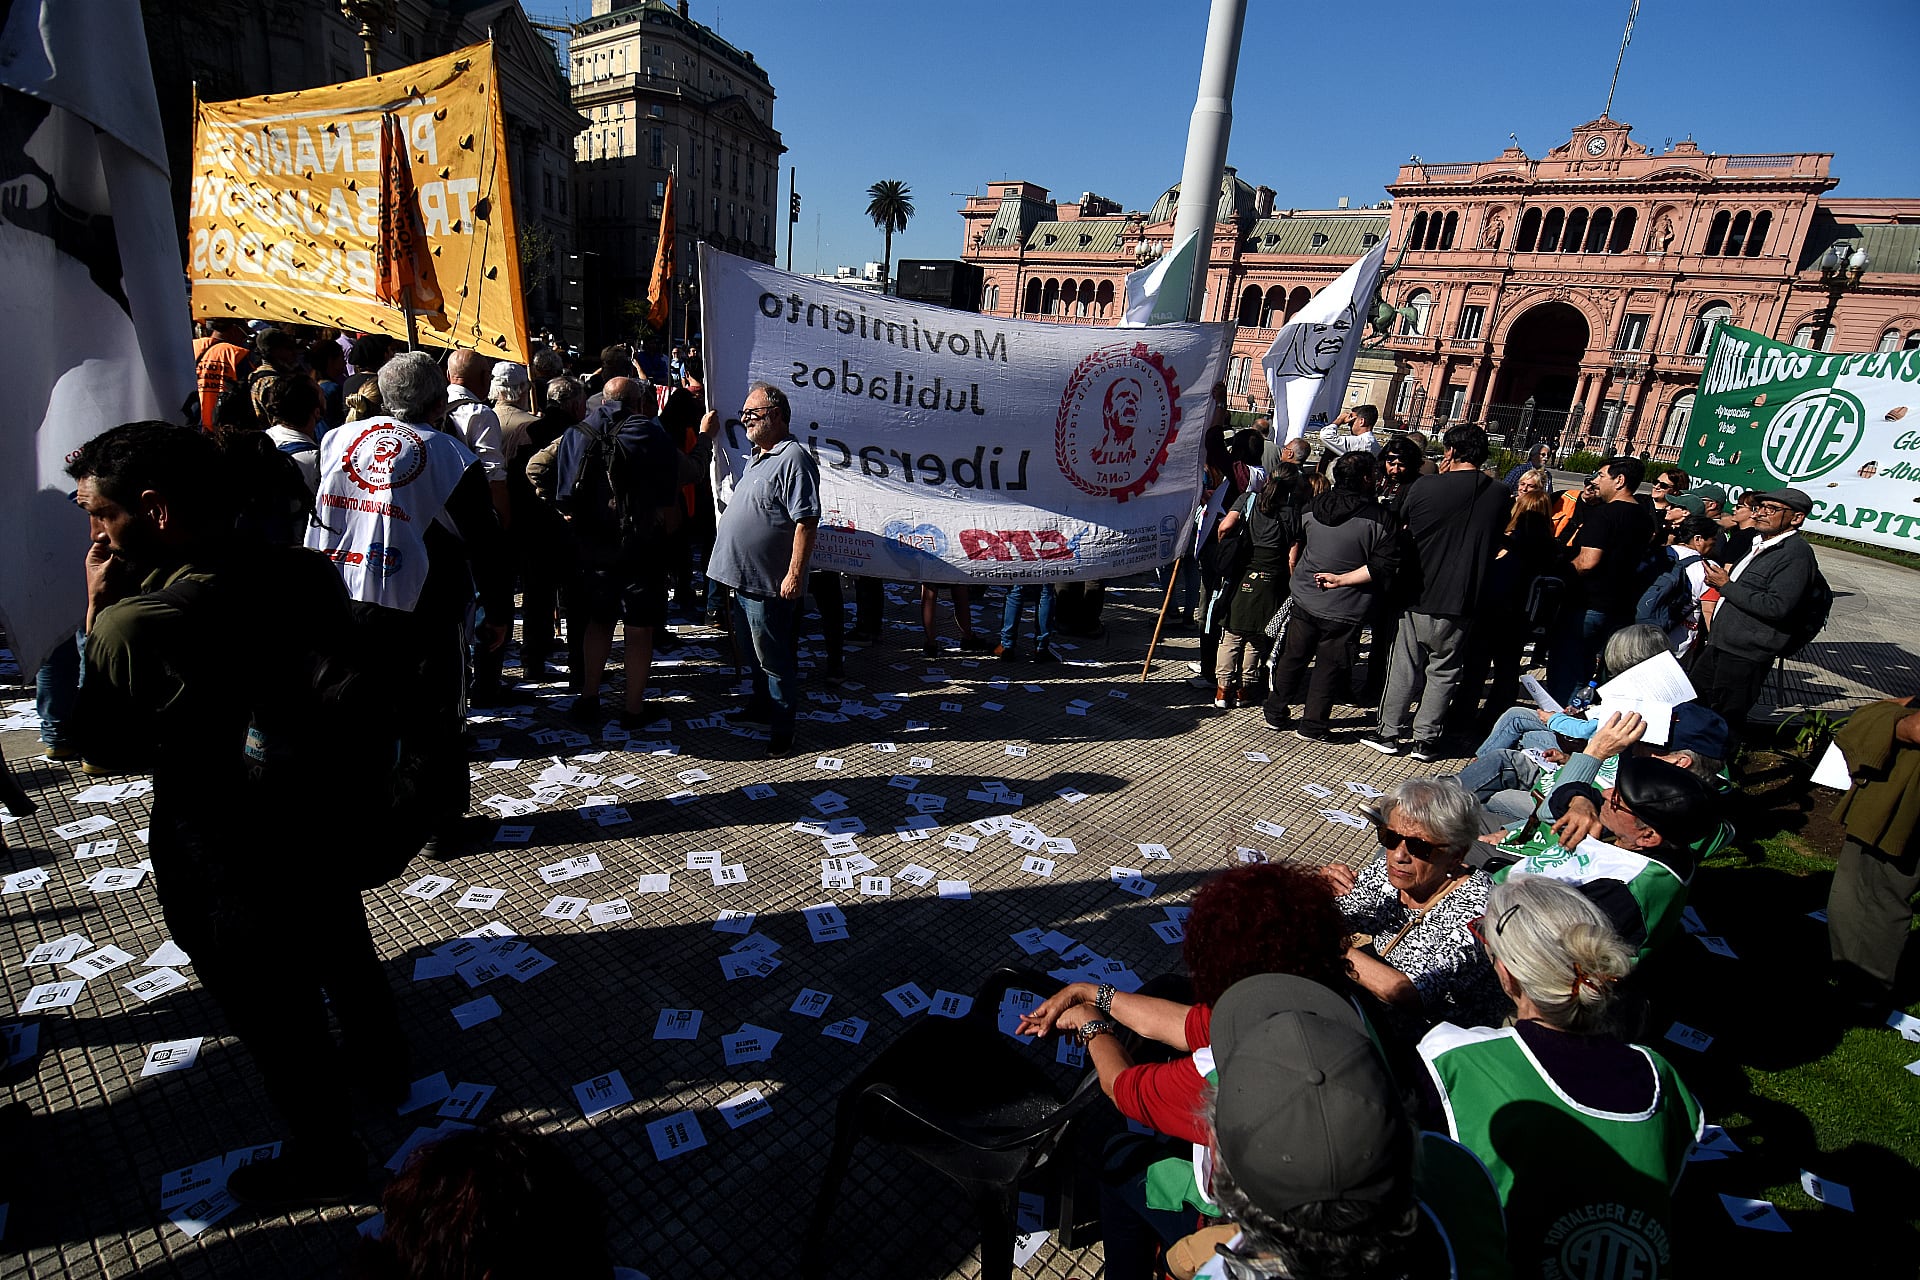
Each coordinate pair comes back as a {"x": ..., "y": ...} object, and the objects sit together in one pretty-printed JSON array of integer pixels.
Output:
[
  {"x": 542, "y": 571},
  {"x": 1076, "y": 608},
  {"x": 831, "y": 599},
  {"x": 869, "y": 606},
  {"x": 1730, "y": 685},
  {"x": 429, "y": 658},
  {"x": 1325, "y": 644}
]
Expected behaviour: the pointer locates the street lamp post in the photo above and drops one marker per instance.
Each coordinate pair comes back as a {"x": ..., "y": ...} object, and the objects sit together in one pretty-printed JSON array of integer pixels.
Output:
[
  {"x": 1841, "y": 267},
  {"x": 374, "y": 17}
]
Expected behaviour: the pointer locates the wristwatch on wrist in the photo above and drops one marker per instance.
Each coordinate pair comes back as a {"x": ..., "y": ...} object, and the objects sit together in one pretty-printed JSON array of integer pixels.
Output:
[
  {"x": 1103, "y": 999},
  {"x": 1098, "y": 1027}
]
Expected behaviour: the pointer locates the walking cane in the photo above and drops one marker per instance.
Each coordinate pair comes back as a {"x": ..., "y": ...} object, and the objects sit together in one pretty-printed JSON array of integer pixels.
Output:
[{"x": 1161, "y": 621}]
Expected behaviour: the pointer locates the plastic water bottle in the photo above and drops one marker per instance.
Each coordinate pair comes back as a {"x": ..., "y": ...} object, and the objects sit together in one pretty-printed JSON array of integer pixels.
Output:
[{"x": 1585, "y": 697}]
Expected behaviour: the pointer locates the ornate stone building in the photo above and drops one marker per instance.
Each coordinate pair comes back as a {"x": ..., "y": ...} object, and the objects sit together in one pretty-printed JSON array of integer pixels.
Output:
[
  {"x": 663, "y": 92},
  {"x": 1569, "y": 297},
  {"x": 239, "y": 48}
]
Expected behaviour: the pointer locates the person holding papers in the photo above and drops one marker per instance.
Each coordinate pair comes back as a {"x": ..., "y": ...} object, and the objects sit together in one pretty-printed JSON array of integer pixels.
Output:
[{"x": 1585, "y": 1135}]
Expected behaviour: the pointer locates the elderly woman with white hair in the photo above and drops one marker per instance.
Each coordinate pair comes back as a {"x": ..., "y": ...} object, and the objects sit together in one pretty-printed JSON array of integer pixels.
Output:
[
  {"x": 1410, "y": 907},
  {"x": 1585, "y": 1135}
]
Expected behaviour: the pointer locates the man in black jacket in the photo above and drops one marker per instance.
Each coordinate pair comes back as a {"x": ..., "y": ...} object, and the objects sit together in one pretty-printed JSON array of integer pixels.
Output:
[{"x": 1761, "y": 596}]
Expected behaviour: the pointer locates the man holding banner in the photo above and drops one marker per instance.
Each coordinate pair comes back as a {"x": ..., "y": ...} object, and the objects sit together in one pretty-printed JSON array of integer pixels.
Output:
[{"x": 762, "y": 549}]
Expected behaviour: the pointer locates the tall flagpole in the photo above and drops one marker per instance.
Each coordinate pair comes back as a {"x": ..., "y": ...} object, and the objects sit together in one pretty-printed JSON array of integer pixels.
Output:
[
  {"x": 1207, "y": 140},
  {"x": 1626, "y": 38}
]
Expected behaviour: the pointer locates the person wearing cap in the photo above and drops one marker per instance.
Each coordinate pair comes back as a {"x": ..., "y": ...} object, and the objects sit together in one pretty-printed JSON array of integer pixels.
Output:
[
  {"x": 510, "y": 392},
  {"x": 1632, "y": 847},
  {"x": 1585, "y": 1135},
  {"x": 1760, "y": 596},
  {"x": 1260, "y": 918},
  {"x": 1714, "y": 496},
  {"x": 1316, "y": 1159},
  {"x": 1408, "y": 909},
  {"x": 1695, "y": 539}
]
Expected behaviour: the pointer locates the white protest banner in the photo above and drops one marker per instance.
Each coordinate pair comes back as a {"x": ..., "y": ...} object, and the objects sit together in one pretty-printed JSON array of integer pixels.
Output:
[
  {"x": 1311, "y": 359},
  {"x": 958, "y": 447}
]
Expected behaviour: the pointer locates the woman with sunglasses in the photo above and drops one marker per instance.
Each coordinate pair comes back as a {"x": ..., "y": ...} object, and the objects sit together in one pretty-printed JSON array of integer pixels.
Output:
[
  {"x": 1409, "y": 909},
  {"x": 1577, "y": 1128}
]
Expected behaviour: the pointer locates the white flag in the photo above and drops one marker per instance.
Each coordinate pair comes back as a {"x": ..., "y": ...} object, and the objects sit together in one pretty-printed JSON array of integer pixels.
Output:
[
  {"x": 1159, "y": 294},
  {"x": 94, "y": 315},
  {"x": 1312, "y": 355}
]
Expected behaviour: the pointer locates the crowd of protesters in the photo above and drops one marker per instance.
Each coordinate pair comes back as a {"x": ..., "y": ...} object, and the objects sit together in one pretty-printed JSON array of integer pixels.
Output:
[{"x": 1486, "y": 958}]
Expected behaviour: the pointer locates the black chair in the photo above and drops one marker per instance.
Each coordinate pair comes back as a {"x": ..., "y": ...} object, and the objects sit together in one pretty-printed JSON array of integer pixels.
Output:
[{"x": 959, "y": 1097}]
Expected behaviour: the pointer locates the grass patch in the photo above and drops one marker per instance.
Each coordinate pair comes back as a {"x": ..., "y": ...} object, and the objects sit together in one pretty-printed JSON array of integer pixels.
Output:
[
  {"x": 1793, "y": 1082},
  {"x": 1890, "y": 555}
]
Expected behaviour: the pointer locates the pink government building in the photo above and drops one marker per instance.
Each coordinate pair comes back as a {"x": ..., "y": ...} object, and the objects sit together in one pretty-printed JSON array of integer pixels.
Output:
[{"x": 1567, "y": 299}]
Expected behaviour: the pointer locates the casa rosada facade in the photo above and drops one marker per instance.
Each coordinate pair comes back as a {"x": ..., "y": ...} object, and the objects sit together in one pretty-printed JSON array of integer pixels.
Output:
[{"x": 1569, "y": 298}]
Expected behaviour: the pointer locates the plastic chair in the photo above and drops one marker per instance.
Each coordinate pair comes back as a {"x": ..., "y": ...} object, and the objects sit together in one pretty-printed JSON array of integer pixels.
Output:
[{"x": 957, "y": 1095}]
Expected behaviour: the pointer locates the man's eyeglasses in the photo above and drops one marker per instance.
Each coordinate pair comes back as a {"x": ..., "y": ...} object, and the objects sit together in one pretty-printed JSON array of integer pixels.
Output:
[
  {"x": 1772, "y": 507},
  {"x": 750, "y": 416},
  {"x": 1425, "y": 850}
]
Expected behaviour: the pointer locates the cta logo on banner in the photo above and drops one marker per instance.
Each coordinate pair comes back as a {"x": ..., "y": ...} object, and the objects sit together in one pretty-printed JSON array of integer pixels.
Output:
[
  {"x": 1770, "y": 415},
  {"x": 955, "y": 446}
]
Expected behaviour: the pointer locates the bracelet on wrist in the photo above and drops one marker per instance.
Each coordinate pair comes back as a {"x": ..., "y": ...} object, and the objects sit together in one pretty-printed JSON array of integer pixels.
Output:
[
  {"x": 1103, "y": 999},
  {"x": 1098, "y": 1027}
]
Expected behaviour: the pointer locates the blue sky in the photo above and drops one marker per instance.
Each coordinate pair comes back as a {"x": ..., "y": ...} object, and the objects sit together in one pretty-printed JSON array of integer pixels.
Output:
[{"x": 1330, "y": 98}]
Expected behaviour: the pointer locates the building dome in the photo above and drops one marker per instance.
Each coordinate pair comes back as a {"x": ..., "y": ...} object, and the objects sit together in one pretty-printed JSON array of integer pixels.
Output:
[{"x": 1236, "y": 200}]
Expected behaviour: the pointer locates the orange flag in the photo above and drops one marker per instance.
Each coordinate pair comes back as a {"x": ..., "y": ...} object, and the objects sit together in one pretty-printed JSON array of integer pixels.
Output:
[
  {"x": 660, "y": 289},
  {"x": 399, "y": 215}
]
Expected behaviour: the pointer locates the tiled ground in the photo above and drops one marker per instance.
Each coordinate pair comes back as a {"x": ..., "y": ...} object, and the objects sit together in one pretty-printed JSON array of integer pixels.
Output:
[{"x": 1157, "y": 765}]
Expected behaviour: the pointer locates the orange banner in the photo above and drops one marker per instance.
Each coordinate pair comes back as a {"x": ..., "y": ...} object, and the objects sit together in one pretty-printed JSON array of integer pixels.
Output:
[
  {"x": 660, "y": 290},
  {"x": 291, "y": 200}
]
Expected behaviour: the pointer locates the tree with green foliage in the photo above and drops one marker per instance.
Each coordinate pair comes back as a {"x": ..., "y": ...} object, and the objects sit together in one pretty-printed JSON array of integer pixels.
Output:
[{"x": 889, "y": 204}]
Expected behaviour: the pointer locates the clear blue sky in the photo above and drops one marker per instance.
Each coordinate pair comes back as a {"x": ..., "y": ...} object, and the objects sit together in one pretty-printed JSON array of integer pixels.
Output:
[{"x": 1331, "y": 97}]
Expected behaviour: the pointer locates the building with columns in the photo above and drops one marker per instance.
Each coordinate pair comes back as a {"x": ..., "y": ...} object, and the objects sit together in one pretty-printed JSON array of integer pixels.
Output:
[
  {"x": 663, "y": 92},
  {"x": 1568, "y": 298}
]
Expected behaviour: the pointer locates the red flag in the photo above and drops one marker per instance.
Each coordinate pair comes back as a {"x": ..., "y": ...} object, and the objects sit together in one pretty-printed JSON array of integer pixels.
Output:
[
  {"x": 660, "y": 290},
  {"x": 399, "y": 215}
]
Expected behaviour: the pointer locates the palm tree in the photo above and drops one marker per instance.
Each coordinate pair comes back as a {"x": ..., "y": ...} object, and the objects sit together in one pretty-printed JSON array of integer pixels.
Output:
[{"x": 889, "y": 204}]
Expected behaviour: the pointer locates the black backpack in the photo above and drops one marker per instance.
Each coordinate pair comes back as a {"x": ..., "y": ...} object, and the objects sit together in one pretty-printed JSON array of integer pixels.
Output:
[
  {"x": 609, "y": 524},
  {"x": 1811, "y": 617},
  {"x": 1665, "y": 601}
]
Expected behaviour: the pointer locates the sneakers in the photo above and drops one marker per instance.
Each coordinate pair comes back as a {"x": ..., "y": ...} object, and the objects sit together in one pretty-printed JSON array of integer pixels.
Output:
[
  {"x": 1278, "y": 718},
  {"x": 1425, "y": 751},
  {"x": 1006, "y": 653},
  {"x": 1195, "y": 668},
  {"x": 1221, "y": 697},
  {"x": 1308, "y": 733},
  {"x": 1380, "y": 742},
  {"x": 292, "y": 1181}
]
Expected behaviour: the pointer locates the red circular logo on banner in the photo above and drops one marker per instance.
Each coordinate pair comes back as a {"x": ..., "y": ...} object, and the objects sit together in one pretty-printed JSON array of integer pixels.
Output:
[
  {"x": 388, "y": 456},
  {"x": 1120, "y": 411}
]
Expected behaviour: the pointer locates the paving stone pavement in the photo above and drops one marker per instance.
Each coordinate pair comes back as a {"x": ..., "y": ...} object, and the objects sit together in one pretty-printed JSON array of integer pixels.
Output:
[{"x": 1155, "y": 763}]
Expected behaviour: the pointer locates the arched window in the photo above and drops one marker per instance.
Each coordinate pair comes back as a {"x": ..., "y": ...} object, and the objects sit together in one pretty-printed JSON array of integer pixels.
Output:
[
  {"x": 1623, "y": 231},
  {"x": 1757, "y": 238},
  {"x": 1575, "y": 232},
  {"x": 1710, "y": 318},
  {"x": 1803, "y": 335},
  {"x": 1419, "y": 231},
  {"x": 1239, "y": 370},
  {"x": 1737, "y": 237},
  {"x": 1249, "y": 314},
  {"x": 1597, "y": 231},
  {"x": 1717, "y": 232},
  {"x": 1529, "y": 232},
  {"x": 1104, "y": 297},
  {"x": 1889, "y": 341},
  {"x": 1446, "y": 232},
  {"x": 990, "y": 298},
  {"x": 1673, "y": 432},
  {"x": 1273, "y": 308},
  {"x": 1296, "y": 300},
  {"x": 1421, "y": 303},
  {"x": 1550, "y": 230},
  {"x": 1913, "y": 341},
  {"x": 1050, "y": 299},
  {"x": 1033, "y": 298},
  {"x": 1433, "y": 232}
]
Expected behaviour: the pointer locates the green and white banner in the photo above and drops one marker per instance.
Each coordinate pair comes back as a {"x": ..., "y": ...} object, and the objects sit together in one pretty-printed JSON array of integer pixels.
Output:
[{"x": 1843, "y": 428}]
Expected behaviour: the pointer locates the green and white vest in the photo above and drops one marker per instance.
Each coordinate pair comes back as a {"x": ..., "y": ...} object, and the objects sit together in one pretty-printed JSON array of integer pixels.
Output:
[
  {"x": 1657, "y": 892},
  {"x": 1588, "y": 1193}
]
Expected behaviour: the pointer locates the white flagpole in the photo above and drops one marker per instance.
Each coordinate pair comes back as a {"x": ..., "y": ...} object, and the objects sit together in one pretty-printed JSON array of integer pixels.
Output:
[{"x": 1207, "y": 141}]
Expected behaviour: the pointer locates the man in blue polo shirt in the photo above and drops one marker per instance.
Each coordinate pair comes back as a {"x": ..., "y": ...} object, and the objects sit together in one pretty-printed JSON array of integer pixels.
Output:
[{"x": 761, "y": 549}]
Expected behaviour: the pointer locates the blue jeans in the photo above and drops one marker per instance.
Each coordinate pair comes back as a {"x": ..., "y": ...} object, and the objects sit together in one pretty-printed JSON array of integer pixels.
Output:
[
  {"x": 1497, "y": 771},
  {"x": 56, "y": 687},
  {"x": 1517, "y": 727},
  {"x": 765, "y": 627},
  {"x": 1017, "y": 596}
]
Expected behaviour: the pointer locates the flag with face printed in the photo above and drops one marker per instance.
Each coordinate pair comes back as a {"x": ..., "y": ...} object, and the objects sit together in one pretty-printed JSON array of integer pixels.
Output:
[{"x": 1312, "y": 355}]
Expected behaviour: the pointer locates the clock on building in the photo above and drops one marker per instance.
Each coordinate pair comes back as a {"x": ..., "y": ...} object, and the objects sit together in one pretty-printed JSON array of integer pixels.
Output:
[{"x": 1597, "y": 145}]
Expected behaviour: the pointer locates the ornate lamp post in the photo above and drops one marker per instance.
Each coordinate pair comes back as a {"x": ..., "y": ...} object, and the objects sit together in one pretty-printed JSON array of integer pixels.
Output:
[
  {"x": 1841, "y": 267},
  {"x": 376, "y": 17}
]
